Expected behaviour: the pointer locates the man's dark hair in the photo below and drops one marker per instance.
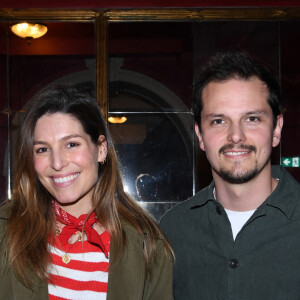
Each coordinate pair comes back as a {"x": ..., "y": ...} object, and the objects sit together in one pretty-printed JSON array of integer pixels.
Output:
[{"x": 228, "y": 65}]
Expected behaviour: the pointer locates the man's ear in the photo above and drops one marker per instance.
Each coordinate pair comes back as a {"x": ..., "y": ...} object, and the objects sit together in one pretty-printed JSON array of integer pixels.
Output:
[
  {"x": 102, "y": 149},
  {"x": 199, "y": 135},
  {"x": 277, "y": 131}
]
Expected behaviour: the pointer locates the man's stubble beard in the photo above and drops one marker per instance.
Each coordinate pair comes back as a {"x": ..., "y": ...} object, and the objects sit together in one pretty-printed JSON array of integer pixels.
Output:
[{"x": 236, "y": 176}]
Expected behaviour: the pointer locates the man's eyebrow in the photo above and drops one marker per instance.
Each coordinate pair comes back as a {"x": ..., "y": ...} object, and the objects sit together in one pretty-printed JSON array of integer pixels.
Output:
[
  {"x": 255, "y": 112},
  {"x": 65, "y": 138},
  {"x": 209, "y": 116}
]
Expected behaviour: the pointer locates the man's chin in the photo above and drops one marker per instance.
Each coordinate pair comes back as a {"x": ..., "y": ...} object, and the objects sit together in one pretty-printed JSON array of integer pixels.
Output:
[{"x": 237, "y": 177}]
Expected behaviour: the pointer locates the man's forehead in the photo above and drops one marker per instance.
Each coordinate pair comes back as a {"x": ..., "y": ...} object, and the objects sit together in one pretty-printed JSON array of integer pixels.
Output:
[{"x": 229, "y": 93}]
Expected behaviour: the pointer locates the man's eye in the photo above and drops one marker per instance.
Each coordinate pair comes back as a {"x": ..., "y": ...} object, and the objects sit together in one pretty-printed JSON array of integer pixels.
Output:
[
  {"x": 72, "y": 145},
  {"x": 253, "y": 119},
  {"x": 217, "y": 122}
]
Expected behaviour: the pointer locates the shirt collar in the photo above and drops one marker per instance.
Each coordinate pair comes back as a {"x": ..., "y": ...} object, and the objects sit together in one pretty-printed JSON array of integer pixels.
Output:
[
  {"x": 206, "y": 195},
  {"x": 285, "y": 197}
]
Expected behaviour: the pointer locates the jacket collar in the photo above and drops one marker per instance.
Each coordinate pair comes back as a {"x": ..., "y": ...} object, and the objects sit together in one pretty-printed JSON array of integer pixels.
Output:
[{"x": 285, "y": 197}]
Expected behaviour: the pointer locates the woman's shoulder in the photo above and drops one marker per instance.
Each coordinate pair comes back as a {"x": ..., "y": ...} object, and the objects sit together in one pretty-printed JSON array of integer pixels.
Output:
[
  {"x": 5, "y": 209},
  {"x": 136, "y": 238},
  {"x": 129, "y": 229},
  {"x": 4, "y": 214}
]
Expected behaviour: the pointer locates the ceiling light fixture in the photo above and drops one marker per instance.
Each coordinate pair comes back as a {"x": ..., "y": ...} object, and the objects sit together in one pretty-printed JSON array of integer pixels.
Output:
[
  {"x": 117, "y": 120},
  {"x": 29, "y": 31}
]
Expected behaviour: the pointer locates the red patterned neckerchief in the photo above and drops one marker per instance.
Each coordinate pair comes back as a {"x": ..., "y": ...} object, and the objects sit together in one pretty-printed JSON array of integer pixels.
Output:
[{"x": 72, "y": 225}]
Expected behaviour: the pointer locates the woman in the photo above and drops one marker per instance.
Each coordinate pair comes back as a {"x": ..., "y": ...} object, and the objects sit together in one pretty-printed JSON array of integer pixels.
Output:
[{"x": 69, "y": 230}]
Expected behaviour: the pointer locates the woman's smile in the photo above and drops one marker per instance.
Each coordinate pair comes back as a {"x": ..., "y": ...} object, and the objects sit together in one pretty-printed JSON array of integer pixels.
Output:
[{"x": 58, "y": 180}]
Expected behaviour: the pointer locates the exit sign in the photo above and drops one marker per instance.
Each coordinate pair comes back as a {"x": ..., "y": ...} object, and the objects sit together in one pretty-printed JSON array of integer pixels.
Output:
[{"x": 293, "y": 162}]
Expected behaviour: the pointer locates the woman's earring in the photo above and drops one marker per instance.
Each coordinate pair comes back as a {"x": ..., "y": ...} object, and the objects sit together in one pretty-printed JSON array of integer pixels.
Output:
[{"x": 103, "y": 161}]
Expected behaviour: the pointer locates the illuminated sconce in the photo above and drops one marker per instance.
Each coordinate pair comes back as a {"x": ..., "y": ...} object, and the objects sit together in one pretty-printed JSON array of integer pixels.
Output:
[
  {"x": 117, "y": 120},
  {"x": 29, "y": 31}
]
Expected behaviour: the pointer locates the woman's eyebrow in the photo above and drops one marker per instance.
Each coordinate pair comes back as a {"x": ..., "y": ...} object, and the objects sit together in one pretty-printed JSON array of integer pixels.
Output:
[{"x": 65, "y": 138}]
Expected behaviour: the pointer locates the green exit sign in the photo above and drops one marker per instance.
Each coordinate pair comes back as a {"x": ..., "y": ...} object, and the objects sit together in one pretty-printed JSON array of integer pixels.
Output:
[{"x": 293, "y": 162}]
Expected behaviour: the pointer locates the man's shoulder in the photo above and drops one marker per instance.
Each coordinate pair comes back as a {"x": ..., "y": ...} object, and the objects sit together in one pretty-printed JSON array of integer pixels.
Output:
[
  {"x": 280, "y": 173},
  {"x": 288, "y": 187},
  {"x": 183, "y": 209}
]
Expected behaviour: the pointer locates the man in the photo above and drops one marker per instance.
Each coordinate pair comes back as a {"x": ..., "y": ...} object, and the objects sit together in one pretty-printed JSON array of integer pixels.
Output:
[{"x": 239, "y": 238}]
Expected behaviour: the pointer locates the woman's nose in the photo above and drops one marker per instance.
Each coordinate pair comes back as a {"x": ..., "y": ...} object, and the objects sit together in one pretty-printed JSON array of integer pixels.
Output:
[{"x": 58, "y": 160}]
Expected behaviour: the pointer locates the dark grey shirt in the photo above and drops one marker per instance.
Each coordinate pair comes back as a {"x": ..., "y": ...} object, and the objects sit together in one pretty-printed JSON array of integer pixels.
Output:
[{"x": 262, "y": 263}]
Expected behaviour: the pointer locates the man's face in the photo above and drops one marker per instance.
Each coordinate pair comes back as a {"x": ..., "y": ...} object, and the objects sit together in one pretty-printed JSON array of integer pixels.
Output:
[{"x": 237, "y": 131}]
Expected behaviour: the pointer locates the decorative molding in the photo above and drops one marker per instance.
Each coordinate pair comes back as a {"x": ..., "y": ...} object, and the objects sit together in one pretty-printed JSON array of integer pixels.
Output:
[
  {"x": 162, "y": 14},
  {"x": 49, "y": 14},
  {"x": 203, "y": 14}
]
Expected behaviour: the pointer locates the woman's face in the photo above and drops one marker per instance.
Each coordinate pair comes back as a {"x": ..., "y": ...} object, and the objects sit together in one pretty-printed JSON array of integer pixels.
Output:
[{"x": 66, "y": 161}]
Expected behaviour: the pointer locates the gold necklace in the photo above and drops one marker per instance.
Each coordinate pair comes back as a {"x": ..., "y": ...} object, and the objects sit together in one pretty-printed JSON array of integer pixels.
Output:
[{"x": 66, "y": 258}]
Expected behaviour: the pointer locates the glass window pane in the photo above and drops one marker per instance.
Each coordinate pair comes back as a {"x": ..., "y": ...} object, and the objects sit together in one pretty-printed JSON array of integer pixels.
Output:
[
  {"x": 152, "y": 59},
  {"x": 156, "y": 153}
]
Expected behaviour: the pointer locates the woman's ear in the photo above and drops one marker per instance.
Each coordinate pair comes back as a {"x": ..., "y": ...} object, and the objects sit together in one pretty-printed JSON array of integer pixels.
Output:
[{"x": 102, "y": 149}]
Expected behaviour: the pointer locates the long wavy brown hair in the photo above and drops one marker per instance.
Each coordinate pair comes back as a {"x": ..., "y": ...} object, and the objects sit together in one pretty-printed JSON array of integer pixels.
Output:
[{"x": 32, "y": 221}]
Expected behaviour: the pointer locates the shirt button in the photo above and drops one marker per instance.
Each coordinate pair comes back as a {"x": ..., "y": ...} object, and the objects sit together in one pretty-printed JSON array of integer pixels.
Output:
[
  {"x": 233, "y": 263},
  {"x": 219, "y": 210}
]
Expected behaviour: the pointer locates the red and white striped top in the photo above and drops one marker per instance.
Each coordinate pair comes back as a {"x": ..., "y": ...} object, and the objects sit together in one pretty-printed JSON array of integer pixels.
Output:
[{"x": 85, "y": 276}]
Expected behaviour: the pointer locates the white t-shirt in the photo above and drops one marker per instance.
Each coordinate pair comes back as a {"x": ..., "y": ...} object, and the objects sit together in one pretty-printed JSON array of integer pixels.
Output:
[{"x": 238, "y": 219}]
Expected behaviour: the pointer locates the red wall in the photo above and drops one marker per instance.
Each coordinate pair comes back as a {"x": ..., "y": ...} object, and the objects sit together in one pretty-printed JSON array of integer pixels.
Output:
[{"x": 142, "y": 3}]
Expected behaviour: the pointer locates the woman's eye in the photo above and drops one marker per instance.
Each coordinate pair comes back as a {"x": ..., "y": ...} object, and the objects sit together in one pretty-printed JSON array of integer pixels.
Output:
[{"x": 41, "y": 150}]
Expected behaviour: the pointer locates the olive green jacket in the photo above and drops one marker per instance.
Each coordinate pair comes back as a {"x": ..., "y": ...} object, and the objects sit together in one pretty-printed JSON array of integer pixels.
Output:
[{"x": 127, "y": 280}]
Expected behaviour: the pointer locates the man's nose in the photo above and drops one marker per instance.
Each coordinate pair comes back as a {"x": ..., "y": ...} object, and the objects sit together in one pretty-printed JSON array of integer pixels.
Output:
[{"x": 236, "y": 134}]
